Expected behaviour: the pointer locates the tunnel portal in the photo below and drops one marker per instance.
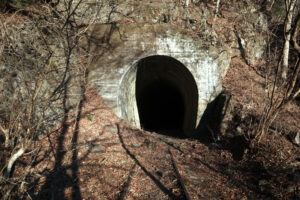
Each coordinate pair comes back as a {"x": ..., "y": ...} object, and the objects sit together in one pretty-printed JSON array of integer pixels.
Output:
[
  {"x": 166, "y": 96},
  {"x": 159, "y": 62}
]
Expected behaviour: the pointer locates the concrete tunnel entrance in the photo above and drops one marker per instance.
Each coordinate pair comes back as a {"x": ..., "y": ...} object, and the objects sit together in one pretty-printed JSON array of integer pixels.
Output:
[
  {"x": 159, "y": 94},
  {"x": 166, "y": 96},
  {"x": 162, "y": 81}
]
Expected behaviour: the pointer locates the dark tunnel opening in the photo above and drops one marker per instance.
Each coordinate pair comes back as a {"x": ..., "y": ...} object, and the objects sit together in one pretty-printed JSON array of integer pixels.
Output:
[
  {"x": 166, "y": 96},
  {"x": 161, "y": 108}
]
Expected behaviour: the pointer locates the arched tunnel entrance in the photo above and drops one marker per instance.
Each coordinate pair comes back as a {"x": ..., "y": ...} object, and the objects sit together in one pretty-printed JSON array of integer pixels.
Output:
[{"x": 166, "y": 96}]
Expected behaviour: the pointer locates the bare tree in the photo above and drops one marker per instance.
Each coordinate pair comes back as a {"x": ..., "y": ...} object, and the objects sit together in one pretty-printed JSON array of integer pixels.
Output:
[
  {"x": 37, "y": 69},
  {"x": 279, "y": 100}
]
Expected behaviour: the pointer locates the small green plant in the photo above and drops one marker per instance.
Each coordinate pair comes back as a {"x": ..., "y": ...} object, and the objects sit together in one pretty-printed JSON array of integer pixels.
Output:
[
  {"x": 296, "y": 102},
  {"x": 89, "y": 117},
  {"x": 19, "y": 4}
]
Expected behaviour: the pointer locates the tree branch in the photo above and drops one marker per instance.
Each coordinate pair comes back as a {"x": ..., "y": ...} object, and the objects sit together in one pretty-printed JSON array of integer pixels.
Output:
[
  {"x": 3, "y": 130},
  {"x": 6, "y": 134}
]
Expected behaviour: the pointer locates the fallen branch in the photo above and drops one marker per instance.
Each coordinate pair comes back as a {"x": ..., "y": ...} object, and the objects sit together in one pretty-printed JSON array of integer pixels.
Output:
[{"x": 12, "y": 160}]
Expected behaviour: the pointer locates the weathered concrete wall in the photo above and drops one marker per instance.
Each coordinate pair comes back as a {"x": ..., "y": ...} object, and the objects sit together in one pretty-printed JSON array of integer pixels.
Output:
[
  {"x": 124, "y": 32},
  {"x": 116, "y": 50}
]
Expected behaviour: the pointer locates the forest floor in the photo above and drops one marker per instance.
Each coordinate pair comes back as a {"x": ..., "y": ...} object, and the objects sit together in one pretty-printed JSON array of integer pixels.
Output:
[{"x": 100, "y": 156}]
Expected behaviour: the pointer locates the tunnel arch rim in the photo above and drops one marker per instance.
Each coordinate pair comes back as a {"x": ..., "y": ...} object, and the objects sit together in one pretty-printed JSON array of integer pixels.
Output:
[{"x": 131, "y": 70}]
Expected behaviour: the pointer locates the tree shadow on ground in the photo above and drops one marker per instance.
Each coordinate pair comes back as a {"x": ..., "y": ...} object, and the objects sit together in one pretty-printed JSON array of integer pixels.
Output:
[
  {"x": 156, "y": 181},
  {"x": 253, "y": 171},
  {"x": 58, "y": 179},
  {"x": 245, "y": 162}
]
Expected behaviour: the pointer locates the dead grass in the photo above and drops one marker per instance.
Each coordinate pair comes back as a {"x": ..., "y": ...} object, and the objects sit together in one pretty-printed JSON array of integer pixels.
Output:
[
  {"x": 249, "y": 90},
  {"x": 135, "y": 164}
]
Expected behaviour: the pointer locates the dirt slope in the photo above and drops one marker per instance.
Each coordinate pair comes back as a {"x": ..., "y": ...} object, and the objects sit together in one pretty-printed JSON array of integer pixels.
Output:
[{"x": 102, "y": 157}]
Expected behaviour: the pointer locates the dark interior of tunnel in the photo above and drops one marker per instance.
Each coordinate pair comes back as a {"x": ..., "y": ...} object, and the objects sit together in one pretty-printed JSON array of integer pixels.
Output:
[
  {"x": 161, "y": 108},
  {"x": 166, "y": 96}
]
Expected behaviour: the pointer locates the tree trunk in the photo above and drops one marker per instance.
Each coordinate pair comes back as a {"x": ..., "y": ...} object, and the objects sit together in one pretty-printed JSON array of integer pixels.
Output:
[
  {"x": 218, "y": 7},
  {"x": 290, "y": 5},
  {"x": 187, "y": 2}
]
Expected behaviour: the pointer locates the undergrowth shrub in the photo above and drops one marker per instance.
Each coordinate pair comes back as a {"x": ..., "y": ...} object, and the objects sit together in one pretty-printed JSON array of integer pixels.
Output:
[{"x": 13, "y": 5}]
